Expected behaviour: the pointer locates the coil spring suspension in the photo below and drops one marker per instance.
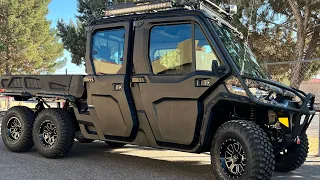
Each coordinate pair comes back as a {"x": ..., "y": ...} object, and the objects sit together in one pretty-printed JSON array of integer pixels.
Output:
[{"x": 253, "y": 114}]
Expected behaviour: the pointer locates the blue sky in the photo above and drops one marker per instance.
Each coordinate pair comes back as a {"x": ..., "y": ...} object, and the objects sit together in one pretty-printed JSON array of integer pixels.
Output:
[{"x": 66, "y": 10}]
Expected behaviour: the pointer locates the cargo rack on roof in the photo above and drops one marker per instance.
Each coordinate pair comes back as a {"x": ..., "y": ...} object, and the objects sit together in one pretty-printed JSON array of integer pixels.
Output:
[{"x": 149, "y": 6}]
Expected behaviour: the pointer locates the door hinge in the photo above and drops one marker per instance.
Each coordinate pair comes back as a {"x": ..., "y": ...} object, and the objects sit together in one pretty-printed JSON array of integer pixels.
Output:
[{"x": 137, "y": 23}]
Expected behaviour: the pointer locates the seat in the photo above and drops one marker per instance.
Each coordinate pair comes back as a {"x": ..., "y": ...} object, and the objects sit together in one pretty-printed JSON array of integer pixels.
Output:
[{"x": 104, "y": 53}]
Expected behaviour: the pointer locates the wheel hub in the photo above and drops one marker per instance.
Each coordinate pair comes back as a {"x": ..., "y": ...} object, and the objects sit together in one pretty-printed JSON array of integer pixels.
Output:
[
  {"x": 14, "y": 128},
  {"x": 232, "y": 158},
  {"x": 48, "y": 133}
]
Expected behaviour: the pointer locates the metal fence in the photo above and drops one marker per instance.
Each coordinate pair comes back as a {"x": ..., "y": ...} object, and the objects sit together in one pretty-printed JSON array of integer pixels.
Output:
[
  {"x": 305, "y": 75},
  {"x": 293, "y": 72}
]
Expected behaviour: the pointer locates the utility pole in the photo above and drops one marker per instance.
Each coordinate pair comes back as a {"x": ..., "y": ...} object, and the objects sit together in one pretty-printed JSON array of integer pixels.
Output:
[{"x": 66, "y": 71}]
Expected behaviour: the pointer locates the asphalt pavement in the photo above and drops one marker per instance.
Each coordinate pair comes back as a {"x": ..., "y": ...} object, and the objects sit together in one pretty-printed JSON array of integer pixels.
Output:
[{"x": 97, "y": 161}]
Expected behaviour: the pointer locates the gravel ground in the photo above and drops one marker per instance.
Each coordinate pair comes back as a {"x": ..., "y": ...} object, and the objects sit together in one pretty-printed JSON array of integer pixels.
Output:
[{"x": 97, "y": 161}]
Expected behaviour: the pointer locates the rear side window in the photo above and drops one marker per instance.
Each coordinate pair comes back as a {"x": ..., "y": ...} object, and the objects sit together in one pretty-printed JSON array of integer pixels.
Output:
[
  {"x": 107, "y": 51},
  {"x": 170, "y": 50}
]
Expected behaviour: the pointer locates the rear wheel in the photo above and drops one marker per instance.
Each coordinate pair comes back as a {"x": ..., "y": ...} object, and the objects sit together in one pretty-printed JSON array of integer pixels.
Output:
[
  {"x": 241, "y": 150},
  {"x": 53, "y": 133},
  {"x": 16, "y": 129},
  {"x": 294, "y": 157},
  {"x": 115, "y": 144}
]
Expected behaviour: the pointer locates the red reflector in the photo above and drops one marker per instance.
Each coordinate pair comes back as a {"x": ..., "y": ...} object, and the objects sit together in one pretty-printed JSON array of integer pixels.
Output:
[
  {"x": 2, "y": 90},
  {"x": 298, "y": 140}
]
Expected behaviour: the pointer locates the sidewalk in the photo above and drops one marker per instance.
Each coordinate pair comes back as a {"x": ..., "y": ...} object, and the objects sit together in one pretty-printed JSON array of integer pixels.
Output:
[{"x": 313, "y": 135}]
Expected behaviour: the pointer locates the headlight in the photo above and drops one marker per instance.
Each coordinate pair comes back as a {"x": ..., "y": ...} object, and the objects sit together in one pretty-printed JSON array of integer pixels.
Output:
[
  {"x": 258, "y": 93},
  {"x": 235, "y": 87}
]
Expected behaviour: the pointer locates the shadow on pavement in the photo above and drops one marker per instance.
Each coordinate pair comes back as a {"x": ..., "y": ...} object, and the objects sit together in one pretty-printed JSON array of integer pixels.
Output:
[
  {"x": 307, "y": 171},
  {"x": 98, "y": 161},
  {"x": 184, "y": 169}
]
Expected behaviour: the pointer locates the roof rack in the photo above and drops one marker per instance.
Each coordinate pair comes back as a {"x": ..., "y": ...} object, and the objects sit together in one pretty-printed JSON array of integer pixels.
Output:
[
  {"x": 139, "y": 7},
  {"x": 162, "y": 5}
]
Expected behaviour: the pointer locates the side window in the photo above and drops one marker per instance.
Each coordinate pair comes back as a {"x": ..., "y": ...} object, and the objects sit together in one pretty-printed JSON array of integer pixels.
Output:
[
  {"x": 204, "y": 53},
  {"x": 107, "y": 51},
  {"x": 170, "y": 50}
]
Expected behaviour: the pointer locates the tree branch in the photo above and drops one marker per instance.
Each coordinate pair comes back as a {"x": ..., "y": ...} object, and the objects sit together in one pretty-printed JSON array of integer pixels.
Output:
[
  {"x": 296, "y": 12},
  {"x": 306, "y": 16},
  {"x": 314, "y": 42}
]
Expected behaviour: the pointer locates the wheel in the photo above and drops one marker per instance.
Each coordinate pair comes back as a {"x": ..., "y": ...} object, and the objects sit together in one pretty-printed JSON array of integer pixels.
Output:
[
  {"x": 241, "y": 150},
  {"x": 16, "y": 129},
  {"x": 115, "y": 144},
  {"x": 294, "y": 157},
  {"x": 79, "y": 136},
  {"x": 53, "y": 133}
]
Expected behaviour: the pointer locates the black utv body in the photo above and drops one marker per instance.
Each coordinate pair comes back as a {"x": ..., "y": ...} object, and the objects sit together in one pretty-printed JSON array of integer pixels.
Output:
[{"x": 179, "y": 77}]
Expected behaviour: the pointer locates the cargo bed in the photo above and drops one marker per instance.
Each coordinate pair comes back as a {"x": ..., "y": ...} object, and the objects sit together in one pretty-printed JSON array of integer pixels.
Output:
[{"x": 43, "y": 85}]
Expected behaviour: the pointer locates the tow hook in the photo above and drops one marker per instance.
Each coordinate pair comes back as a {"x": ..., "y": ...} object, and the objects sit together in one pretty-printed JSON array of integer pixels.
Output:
[{"x": 297, "y": 140}]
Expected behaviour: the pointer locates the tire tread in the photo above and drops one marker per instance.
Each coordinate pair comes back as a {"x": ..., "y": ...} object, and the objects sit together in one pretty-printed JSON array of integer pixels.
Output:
[
  {"x": 67, "y": 133},
  {"x": 260, "y": 148},
  {"x": 28, "y": 117},
  {"x": 299, "y": 157}
]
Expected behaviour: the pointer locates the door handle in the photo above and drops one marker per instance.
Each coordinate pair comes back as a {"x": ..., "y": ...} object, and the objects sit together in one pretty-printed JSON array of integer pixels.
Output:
[
  {"x": 203, "y": 82},
  {"x": 88, "y": 79},
  {"x": 117, "y": 86},
  {"x": 138, "y": 80}
]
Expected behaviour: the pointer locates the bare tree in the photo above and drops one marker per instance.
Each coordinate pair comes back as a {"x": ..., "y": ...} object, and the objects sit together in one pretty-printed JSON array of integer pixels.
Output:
[{"x": 307, "y": 33}]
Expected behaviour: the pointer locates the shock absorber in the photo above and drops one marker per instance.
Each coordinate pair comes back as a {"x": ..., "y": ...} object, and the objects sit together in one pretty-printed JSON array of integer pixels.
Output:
[{"x": 253, "y": 114}]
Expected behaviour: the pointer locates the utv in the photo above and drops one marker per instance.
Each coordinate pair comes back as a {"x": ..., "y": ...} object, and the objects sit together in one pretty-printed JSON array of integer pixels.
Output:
[{"x": 171, "y": 75}]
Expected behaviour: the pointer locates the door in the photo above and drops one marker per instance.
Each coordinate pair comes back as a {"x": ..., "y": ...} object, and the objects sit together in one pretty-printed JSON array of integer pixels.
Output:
[
  {"x": 109, "y": 84},
  {"x": 177, "y": 79}
]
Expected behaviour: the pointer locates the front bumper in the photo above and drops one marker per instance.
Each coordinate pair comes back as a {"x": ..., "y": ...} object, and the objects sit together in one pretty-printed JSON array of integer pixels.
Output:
[{"x": 299, "y": 117}]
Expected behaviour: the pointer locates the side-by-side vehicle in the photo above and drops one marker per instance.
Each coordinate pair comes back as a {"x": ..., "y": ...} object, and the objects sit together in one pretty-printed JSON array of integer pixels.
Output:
[{"x": 170, "y": 75}]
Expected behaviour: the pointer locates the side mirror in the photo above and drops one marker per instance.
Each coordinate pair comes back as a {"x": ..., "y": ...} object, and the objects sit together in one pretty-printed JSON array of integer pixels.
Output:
[{"x": 216, "y": 69}]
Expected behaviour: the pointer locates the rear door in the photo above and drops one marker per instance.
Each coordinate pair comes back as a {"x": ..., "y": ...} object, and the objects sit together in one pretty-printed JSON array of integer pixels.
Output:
[
  {"x": 175, "y": 75},
  {"x": 108, "y": 84}
]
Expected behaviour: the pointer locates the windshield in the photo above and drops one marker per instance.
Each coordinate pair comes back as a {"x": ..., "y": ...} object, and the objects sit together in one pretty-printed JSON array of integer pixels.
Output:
[{"x": 240, "y": 52}]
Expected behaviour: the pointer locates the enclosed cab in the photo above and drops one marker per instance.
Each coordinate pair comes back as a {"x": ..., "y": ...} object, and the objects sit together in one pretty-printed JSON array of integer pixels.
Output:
[{"x": 168, "y": 75}]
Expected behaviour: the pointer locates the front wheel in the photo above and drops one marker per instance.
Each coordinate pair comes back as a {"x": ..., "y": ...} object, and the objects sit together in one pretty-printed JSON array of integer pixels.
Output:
[
  {"x": 241, "y": 150},
  {"x": 294, "y": 157}
]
